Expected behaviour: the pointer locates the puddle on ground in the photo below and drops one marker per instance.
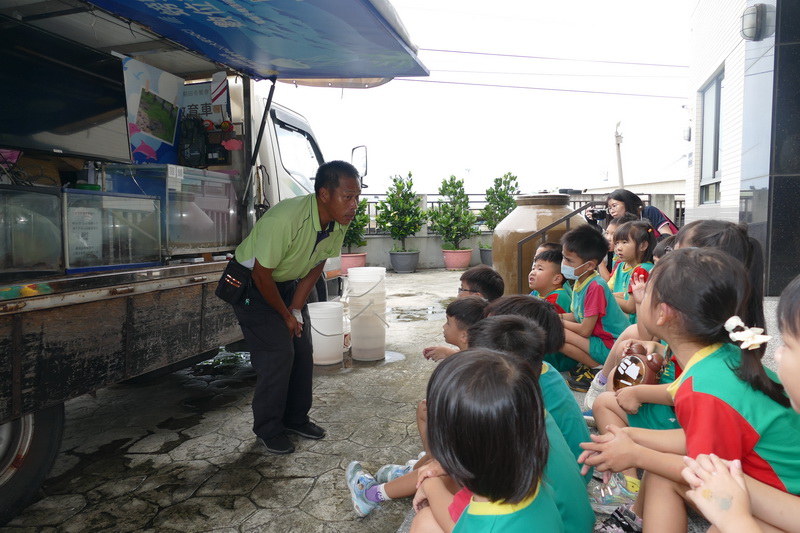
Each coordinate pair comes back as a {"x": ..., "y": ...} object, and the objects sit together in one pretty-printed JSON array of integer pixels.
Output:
[
  {"x": 393, "y": 357},
  {"x": 414, "y": 314}
]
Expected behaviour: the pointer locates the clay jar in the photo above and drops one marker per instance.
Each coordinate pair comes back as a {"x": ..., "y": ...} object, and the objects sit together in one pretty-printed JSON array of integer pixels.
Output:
[{"x": 533, "y": 212}]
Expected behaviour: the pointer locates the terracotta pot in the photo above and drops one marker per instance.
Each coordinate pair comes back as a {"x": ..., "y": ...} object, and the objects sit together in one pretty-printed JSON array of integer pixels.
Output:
[
  {"x": 457, "y": 259},
  {"x": 353, "y": 261}
]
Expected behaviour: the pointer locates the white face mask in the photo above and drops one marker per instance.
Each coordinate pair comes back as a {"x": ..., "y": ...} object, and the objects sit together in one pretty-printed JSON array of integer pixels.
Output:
[{"x": 569, "y": 272}]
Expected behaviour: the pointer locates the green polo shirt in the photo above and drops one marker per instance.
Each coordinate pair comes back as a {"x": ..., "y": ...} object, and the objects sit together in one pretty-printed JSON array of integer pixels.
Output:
[{"x": 284, "y": 240}]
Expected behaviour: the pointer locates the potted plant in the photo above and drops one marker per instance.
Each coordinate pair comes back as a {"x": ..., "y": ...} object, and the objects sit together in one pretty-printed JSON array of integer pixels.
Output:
[
  {"x": 354, "y": 237},
  {"x": 453, "y": 220},
  {"x": 401, "y": 215},
  {"x": 499, "y": 203}
]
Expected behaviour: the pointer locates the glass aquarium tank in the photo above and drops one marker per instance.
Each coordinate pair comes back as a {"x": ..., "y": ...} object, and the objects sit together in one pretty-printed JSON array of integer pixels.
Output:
[{"x": 198, "y": 207}]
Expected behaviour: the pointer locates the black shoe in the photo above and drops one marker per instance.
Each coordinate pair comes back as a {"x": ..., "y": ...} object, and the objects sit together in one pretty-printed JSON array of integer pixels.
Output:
[
  {"x": 583, "y": 381},
  {"x": 577, "y": 370},
  {"x": 279, "y": 444},
  {"x": 309, "y": 430}
]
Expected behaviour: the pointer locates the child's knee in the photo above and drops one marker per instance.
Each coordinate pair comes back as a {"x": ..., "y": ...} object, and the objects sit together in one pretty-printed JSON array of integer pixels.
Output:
[
  {"x": 605, "y": 401},
  {"x": 422, "y": 411},
  {"x": 425, "y": 522}
]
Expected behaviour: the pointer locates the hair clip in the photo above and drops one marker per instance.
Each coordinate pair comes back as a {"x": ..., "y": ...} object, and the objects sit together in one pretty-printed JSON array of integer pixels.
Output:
[
  {"x": 649, "y": 230},
  {"x": 751, "y": 338}
]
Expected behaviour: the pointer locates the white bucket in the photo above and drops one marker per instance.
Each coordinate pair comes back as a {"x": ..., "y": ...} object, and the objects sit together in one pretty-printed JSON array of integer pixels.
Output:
[
  {"x": 367, "y": 308},
  {"x": 326, "y": 332}
]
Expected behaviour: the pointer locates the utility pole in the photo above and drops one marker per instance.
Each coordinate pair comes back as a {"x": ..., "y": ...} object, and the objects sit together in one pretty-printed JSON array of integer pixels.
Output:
[{"x": 618, "y": 137}]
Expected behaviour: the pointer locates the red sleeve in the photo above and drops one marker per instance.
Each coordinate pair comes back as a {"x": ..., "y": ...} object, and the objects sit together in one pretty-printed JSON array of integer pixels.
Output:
[
  {"x": 595, "y": 302},
  {"x": 461, "y": 500},
  {"x": 712, "y": 426},
  {"x": 553, "y": 299},
  {"x": 638, "y": 271}
]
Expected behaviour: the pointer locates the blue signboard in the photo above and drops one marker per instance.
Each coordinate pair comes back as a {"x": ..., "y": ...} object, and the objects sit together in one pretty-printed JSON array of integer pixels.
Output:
[{"x": 289, "y": 39}]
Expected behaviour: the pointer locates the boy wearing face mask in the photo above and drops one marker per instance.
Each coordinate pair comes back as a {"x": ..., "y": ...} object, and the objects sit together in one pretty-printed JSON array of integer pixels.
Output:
[{"x": 594, "y": 320}]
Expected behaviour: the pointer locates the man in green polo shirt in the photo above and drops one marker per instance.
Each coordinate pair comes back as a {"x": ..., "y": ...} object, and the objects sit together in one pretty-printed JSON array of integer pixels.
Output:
[{"x": 287, "y": 250}]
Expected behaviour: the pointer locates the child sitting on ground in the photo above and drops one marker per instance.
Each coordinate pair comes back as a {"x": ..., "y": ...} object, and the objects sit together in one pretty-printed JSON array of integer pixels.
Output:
[
  {"x": 725, "y": 401},
  {"x": 718, "y": 487},
  {"x": 487, "y": 405},
  {"x": 547, "y": 282},
  {"x": 398, "y": 481},
  {"x": 480, "y": 280},
  {"x": 634, "y": 243},
  {"x": 595, "y": 319},
  {"x": 523, "y": 338},
  {"x": 559, "y": 401}
]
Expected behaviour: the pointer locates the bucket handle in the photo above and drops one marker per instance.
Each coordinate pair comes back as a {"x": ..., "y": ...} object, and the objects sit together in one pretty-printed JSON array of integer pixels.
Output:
[
  {"x": 375, "y": 314},
  {"x": 365, "y": 292},
  {"x": 326, "y": 334}
]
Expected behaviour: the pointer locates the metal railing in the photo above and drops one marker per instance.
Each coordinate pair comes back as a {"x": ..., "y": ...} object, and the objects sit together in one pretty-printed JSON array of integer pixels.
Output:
[{"x": 542, "y": 234}]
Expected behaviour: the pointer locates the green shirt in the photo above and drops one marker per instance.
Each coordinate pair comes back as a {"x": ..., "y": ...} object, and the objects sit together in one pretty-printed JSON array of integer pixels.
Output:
[{"x": 285, "y": 240}]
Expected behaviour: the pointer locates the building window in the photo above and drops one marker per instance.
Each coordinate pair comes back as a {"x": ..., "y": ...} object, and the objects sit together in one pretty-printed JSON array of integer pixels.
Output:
[{"x": 709, "y": 159}]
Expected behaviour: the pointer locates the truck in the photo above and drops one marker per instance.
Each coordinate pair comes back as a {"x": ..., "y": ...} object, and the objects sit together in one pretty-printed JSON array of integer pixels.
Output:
[{"x": 139, "y": 144}]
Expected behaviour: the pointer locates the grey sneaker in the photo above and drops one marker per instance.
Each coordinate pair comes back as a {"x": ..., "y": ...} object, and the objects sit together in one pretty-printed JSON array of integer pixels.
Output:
[
  {"x": 595, "y": 390},
  {"x": 358, "y": 482},
  {"x": 388, "y": 473}
]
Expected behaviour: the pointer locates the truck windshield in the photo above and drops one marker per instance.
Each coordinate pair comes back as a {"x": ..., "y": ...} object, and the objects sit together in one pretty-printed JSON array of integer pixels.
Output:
[{"x": 299, "y": 153}]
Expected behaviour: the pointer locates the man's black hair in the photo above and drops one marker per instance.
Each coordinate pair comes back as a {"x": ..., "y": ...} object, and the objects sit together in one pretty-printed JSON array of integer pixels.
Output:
[{"x": 329, "y": 174}]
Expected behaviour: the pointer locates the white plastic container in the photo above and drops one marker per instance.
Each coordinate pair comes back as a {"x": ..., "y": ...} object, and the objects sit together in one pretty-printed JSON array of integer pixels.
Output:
[
  {"x": 367, "y": 307},
  {"x": 327, "y": 333}
]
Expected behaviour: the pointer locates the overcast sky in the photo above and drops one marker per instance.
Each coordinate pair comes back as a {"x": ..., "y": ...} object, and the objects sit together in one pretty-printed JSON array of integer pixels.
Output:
[{"x": 562, "y": 137}]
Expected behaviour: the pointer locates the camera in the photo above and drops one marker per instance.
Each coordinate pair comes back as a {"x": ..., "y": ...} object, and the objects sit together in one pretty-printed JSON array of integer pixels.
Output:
[{"x": 600, "y": 213}]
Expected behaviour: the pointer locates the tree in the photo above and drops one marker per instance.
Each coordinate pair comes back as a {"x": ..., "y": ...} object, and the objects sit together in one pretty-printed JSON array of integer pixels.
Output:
[
  {"x": 400, "y": 213},
  {"x": 356, "y": 229},
  {"x": 500, "y": 200},
  {"x": 452, "y": 219}
]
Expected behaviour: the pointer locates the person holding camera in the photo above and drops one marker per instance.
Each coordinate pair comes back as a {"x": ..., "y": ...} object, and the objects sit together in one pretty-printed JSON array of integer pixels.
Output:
[{"x": 623, "y": 201}]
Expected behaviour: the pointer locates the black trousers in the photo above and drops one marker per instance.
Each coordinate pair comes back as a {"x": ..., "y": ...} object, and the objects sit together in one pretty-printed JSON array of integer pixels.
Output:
[{"x": 283, "y": 363}]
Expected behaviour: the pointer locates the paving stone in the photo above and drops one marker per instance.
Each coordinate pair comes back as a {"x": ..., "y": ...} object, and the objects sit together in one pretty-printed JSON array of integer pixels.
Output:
[
  {"x": 230, "y": 481},
  {"x": 281, "y": 492},
  {"x": 121, "y": 514},
  {"x": 205, "y": 512},
  {"x": 114, "y": 488},
  {"x": 203, "y": 447},
  {"x": 51, "y": 511},
  {"x": 152, "y": 443},
  {"x": 175, "y": 482}
]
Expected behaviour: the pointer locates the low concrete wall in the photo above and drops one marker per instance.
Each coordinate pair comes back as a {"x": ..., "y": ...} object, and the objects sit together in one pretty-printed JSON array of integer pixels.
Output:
[{"x": 429, "y": 246}]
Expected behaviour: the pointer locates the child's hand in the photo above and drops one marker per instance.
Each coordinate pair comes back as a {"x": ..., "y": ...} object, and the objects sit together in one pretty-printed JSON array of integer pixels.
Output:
[
  {"x": 628, "y": 400},
  {"x": 432, "y": 469},
  {"x": 610, "y": 451},
  {"x": 420, "y": 499},
  {"x": 637, "y": 288},
  {"x": 719, "y": 491},
  {"x": 437, "y": 353}
]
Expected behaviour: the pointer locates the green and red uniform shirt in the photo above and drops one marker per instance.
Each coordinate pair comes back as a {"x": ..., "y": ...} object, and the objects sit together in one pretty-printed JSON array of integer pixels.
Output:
[{"x": 724, "y": 415}]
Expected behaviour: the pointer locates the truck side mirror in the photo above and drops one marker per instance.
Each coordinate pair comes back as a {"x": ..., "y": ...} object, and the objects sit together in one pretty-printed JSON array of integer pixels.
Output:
[{"x": 358, "y": 158}]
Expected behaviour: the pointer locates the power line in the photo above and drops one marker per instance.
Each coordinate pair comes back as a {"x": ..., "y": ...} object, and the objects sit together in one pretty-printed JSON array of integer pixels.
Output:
[
  {"x": 557, "y": 74},
  {"x": 539, "y": 88},
  {"x": 552, "y": 58}
]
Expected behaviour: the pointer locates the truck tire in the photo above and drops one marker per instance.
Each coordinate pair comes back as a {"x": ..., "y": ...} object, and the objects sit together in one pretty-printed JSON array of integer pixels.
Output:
[{"x": 28, "y": 449}]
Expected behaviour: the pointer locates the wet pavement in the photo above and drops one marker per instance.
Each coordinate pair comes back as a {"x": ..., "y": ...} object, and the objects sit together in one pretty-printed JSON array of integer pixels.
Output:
[{"x": 177, "y": 453}]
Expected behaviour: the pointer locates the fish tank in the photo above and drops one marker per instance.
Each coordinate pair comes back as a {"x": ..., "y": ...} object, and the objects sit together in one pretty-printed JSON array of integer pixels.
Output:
[
  {"x": 30, "y": 232},
  {"x": 198, "y": 207},
  {"x": 104, "y": 231}
]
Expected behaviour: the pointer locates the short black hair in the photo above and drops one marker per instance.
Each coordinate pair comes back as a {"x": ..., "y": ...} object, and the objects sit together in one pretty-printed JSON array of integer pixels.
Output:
[
  {"x": 466, "y": 311},
  {"x": 665, "y": 244},
  {"x": 485, "y": 280},
  {"x": 789, "y": 309},
  {"x": 329, "y": 174},
  {"x": 550, "y": 246},
  {"x": 586, "y": 242},
  {"x": 486, "y": 424},
  {"x": 539, "y": 311},
  {"x": 511, "y": 334},
  {"x": 625, "y": 217},
  {"x": 550, "y": 256}
]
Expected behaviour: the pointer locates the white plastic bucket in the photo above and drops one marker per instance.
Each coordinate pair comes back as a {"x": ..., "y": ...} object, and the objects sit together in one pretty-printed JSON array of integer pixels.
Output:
[
  {"x": 367, "y": 309},
  {"x": 327, "y": 333}
]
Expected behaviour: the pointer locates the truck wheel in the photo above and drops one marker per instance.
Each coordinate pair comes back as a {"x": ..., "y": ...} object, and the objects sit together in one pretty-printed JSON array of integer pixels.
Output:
[{"x": 28, "y": 449}]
